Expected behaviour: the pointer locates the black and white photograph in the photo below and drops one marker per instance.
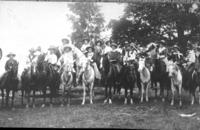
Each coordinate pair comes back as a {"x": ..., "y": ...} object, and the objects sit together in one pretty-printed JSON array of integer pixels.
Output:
[{"x": 100, "y": 64}]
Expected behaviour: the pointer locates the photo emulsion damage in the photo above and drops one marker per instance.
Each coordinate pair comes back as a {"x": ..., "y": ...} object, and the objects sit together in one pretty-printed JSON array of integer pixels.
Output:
[{"x": 106, "y": 64}]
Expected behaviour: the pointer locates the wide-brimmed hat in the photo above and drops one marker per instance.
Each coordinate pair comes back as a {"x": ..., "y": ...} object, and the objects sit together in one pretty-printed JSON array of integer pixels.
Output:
[
  {"x": 51, "y": 47},
  {"x": 113, "y": 44},
  {"x": 65, "y": 39},
  {"x": 67, "y": 46},
  {"x": 86, "y": 39},
  {"x": 11, "y": 54},
  {"x": 90, "y": 47},
  {"x": 99, "y": 41}
]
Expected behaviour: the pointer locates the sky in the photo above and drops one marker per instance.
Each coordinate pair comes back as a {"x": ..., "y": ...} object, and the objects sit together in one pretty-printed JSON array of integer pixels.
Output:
[{"x": 27, "y": 24}]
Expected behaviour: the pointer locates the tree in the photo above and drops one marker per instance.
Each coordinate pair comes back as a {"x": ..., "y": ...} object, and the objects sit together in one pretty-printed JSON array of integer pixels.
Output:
[
  {"x": 174, "y": 23},
  {"x": 87, "y": 20}
]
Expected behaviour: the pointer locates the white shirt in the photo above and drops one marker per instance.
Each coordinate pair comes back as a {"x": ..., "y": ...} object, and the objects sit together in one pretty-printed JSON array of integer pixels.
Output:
[
  {"x": 106, "y": 50},
  {"x": 67, "y": 59},
  {"x": 131, "y": 56},
  {"x": 191, "y": 56},
  {"x": 51, "y": 58}
]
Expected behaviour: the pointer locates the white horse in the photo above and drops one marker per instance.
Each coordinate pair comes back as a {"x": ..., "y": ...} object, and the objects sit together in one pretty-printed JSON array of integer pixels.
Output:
[
  {"x": 88, "y": 77},
  {"x": 176, "y": 80},
  {"x": 145, "y": 79}
]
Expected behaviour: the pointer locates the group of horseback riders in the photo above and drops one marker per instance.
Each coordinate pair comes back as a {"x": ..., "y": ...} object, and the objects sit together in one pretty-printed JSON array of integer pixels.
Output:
[{"x": 69, "y": 57}]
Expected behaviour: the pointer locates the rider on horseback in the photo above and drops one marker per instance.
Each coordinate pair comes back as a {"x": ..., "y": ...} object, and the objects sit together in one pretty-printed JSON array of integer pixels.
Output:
[
  {"x": 130, "y": 54},
  {"x": 90, "y": 57},
  {"x": 11, "y": 63},
  {"x": 67, "y": 59},
  {"x": 114, "y": 56},
  {"x": 51, "y": 57}
]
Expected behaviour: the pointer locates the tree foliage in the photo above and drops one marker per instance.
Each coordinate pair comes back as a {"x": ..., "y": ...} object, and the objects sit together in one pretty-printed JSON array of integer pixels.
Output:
[
  {"x": 87, "y": 21},
  {"x": 174, "y": 23}
]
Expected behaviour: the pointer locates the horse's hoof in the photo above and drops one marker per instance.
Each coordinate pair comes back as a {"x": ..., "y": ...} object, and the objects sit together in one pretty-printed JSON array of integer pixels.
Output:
[
  {"x": 62, "y": 105},
  {"x": 180, "y": 104},
  {"x": 131, "y": 101},
  {"x": 125, "y": 101},
  {"x": 27, "y": 106},
  {"x": 43, "y": 105},
  {"x": 110, "y": 101},
  {"x": 105, "y": 101},
  {"x": 172, "y": 104},
  {"x": 82, "y": 104},
  {"x": 163, "y": 100}
]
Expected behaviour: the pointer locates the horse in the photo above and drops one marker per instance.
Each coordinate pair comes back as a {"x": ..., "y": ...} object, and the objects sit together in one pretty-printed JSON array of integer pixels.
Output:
[
  {"x": 110, "y": 76},
  {"x": 129, "y": 79},
  {"x": 145, "y": 78},
  {"x": 9, "y": 82},
  {"x": 66, "y": 82},
  {"x": 159, "y": 75},
  {"x": 88, "y": 78},
  {"x": 176, "y": 81},
  {"x": 191, "y": 81}
]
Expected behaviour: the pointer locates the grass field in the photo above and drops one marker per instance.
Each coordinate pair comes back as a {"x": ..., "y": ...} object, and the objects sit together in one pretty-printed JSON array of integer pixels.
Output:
[{"x": 152, "y": 115}]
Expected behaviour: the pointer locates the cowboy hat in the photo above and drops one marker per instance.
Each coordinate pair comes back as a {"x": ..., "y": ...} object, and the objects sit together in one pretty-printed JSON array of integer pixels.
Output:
[
  {"x": 51, "y": 47},
  {"x": 113, "y": 44},
  {"x": 67, "y": 46},
  {"x": 65, "y": 39},
  {"x": 89, "y": 48},
  {"x": 86, "y": 39},
  {"x": 11, "y": 54}
]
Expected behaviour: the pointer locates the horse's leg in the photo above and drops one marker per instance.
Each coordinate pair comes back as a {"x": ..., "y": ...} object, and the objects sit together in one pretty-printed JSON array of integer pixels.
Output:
[
  {"x": 192, "y": 98},
  {"x": 147, "y": 92},
  {"x": 69, "y": 95},
  {"x": 91, "y": 92},
  {"x": 44, "y": 98},
  {"x": 106, "y": 94},
  {"x": 2, "y": 100},
  {"x": 110, "y": 95},
  {"x": 199, "y": 94},
  {"x": 63, "y": 96},
  {"x": 22, "y": 96},
  {"x": 180, "y": 95},
  {"x": 142, "y": 92},
  {"x": 7, "y": 97},
  {"x": 162, "y": 92},
  {"x": 34, "y": 98},
  {"x": 131, "y": 94},
  {"x": 126, "y": 93},
  {"x": 173, "y": 93},
  {"x": 13, "y": 97},
  {"x": 84, "y": 93}
]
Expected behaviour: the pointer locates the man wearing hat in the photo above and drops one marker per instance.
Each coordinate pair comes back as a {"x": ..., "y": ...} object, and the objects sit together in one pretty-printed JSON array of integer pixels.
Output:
[
  {"x": 11, "y": 62},
  {"x": 90, "y": 57},
  {"x": 51, "y": 56},
  {"x": 86, "y": 44},
  {"x": 114, "y": 56},
  {"x": 130, "y": 54}
]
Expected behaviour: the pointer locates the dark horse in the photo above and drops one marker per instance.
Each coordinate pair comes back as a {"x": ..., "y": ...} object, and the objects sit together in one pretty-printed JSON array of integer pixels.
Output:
[
  {"x": 110, "y": 77},
  {"x": 159, "y": 75},
  {"x": 129, "y": 79},
  {"x": 39, "y": 77},
  {"x": 9, "y": 82},
  {"x": 191, "y": 79}
]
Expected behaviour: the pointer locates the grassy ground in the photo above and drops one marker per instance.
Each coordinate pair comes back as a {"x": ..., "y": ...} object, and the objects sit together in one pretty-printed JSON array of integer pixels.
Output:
[{"x": 152, "y": 115}]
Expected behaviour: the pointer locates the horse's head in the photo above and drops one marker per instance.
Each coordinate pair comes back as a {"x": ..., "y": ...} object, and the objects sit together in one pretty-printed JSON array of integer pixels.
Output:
[
  {"x": 141, "y": 64},
  {"x": 172, "y": 70}
]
